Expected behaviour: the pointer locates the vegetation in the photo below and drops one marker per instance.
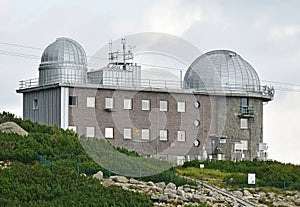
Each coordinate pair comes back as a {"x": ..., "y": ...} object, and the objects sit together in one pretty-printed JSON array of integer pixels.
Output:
[
  {"x": 46, "y": 167},
  {"x": 268, "y": 173}
]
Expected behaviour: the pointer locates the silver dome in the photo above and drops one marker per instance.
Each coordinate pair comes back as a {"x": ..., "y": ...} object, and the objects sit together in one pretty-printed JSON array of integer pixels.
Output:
[
  {"x": 222, "y": 70},
  {"x": 63, "y": 61}
]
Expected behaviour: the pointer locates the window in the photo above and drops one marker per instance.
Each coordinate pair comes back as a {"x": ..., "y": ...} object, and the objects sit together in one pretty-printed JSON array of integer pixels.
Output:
[
  {"x": 127, "y": 104},
  {"x": 244, "y": 123},
  {"x": 74, "y": 128},
  {"x": 127, "y": 133},
  {"x": 197, "y": 104},
  {"x": 35, "y": 104},
  {"x": 90, "y": 132},
  {"x": 181, "y": 136},
  {"x": 72, "y": 100},
  {"x": 90, "y": 102},
  {"x": 109, "y": 133},
  {"x": 180, "y": 160},
  {"x": 163, "y": 105},
  {"x": 145, "y": 105},
  {"x": 146, "y": 134},
  {"x": 244, "y": 102},
  {"x": 181, "y": 107},
  {"x": 245, "y": 144},
  {"x": 196, "y": 123},
  {"x": 163, "y": 135},
  {"x": 109, "y": 103}
]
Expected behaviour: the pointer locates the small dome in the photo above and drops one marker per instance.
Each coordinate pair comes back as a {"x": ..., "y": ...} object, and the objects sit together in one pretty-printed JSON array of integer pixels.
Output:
[
  {"x": 63, "y": 61},
  {"x": 64, "y": 50},
  {"x": 222, "y": 70}
]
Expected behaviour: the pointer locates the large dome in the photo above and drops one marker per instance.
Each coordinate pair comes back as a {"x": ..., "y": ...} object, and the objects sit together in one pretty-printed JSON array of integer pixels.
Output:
[
  {"x": 63, "y": 61},
  {"x": 222, "y": 70},
  {"x": 64, "y": 50}
]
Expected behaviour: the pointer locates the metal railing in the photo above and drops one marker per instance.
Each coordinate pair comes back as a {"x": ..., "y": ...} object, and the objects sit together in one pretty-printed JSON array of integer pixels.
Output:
[
  {"x": 23, "y": 84},
  {"x": 246, "y": 111}
]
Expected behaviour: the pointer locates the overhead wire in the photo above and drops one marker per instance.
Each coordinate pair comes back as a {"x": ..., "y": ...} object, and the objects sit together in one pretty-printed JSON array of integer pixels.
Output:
[{"x": 30, "y": 56}]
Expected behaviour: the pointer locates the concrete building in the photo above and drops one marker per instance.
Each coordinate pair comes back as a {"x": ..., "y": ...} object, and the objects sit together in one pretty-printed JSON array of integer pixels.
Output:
[{"x": 217, "y": 113}]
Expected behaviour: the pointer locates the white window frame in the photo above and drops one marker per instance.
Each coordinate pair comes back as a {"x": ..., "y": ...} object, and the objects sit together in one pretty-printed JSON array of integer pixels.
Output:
[
  {"x": 163, "y": 135},
  {"x": 181, "y": 136},
  {"x": 145, "y": 105},
  {"x": 145, "y": 134},
  {"x": 163, "y": 105},
  {"x": 109, "y": 103},
  {"x": 181, "y": 106},
  {"x": 127, "y": 104},
  {"x": 74, "y": 128},
  {"x": 127, "y": 133},
  {"x": 244, "y": 124},
  {"x": 109, "y": 133},
  {"x": 90, "y": 102},
  {"x": 90, "y": 132}
]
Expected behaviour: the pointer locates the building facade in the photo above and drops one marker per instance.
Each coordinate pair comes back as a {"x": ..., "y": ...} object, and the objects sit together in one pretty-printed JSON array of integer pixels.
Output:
[{"x": 218, "y": 114}]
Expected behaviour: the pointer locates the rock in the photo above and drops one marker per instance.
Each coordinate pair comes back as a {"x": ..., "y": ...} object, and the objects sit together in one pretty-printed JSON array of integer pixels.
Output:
[
  {"x": 247, "y": 193},
  {"x": 155, "y": 197},
  {"x": 98, "y": 175},
  {"x": 119, "y": 179},
  {"x": 150, "y": 183},
  {"x": 107, "y": 183},
  {"x": 199, "y": 198},
  {"x": 238, "y": 193},
  {"x": 161, "y": 185},
  {"x": 133, "y": 181},
  {"x": 12, "y": 127},
  {"x": 281, "y": 204},
  {"x": 180, "y": 192},
  {"x": 297, "y": 202},
  {"x": 157, "y": 189},
  {"x": 171, "y": 186},
  {"x": 163, "y": 198},
  {"x": 187, "y": 190}
]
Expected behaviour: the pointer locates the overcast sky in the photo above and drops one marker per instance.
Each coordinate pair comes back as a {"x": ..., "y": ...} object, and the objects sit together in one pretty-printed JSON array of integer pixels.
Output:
[{"x": 265, "y": 33}]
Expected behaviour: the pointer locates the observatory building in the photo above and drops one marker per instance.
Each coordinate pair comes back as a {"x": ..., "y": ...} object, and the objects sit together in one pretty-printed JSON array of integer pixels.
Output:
[{"x": 216, "y": 113}]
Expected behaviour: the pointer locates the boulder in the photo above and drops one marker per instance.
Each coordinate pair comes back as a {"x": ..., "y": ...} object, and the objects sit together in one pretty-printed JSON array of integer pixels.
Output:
[
  {"x": 238, "y": 193},
  {"x": 163, "y": 198},
  {"x": 12, "y": 127},
  {"x": 107, "y": 183},
  {"x": 155, "y": 197},
  {"x": 150, "y": 183},
  {"x": 161, "y": 185},
  {"x": 119, "y": 179},
  {"x": 247, "y": 193},
  {"x": 171, "y": 186},
  {"x": 199, "y": 198},
  {"x": 297, "y": 202},
  {"x": 133, "y": 181},
  {"x": 98, "y": 175}
]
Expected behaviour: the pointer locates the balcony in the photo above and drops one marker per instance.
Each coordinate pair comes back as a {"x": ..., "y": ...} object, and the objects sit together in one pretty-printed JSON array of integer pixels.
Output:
[{"x": 246, "y": 111}]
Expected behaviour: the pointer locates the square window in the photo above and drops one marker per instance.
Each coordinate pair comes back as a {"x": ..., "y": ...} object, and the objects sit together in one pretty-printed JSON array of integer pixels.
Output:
[
  {"x": 109, "y": 103},
  {"x": 163, "y": 135},
  {"x": 181, "y": 107},
  {"x": 146, "y": 134},
  {"x": 35, "y": 104},
  {"x": 127, "y": 104},
  {"x": 163, "y": 105},
  {"x": 90, "y": 102},
  {"x": 74, "y": 128},
  {"x": 145, "y": 105},
  {"x": 127, "y": 133},
  {"x": 90, "y": 132},
  {"x": 72, "y": 100},
  {"x": 109, "y": 133},
  {"x": 244, "y": 123},
  {"x": 181, "y": 136}
]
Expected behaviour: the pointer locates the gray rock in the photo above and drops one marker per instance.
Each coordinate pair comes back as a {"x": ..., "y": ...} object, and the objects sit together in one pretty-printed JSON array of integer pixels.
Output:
[
  {"x": 150, "y": 183},
  {"x": 238, "y": 193},
  {"x": 98, "y": 175},
  {"x": 180, "y": 192},
  {"x": 107, "y": 183},
  {"x": 119, "y": 179},
  {"x": 157, "y": 189},
  {"x": 171, "y": 186},
  {"x": 247, "y": 193},
  {"x": 297, "y": 202},
  {"x": 163, "y": 198},
  {"x": 161, "y": 185},
  {"x": 199, "y": 198},
  {"x": 155, "y": 197},
  {"x": 281, "y": 204},
  {"x": 133, "y": 181},
  {"x": 12, "y": 127},
  {"x": 187, "y": 190}
]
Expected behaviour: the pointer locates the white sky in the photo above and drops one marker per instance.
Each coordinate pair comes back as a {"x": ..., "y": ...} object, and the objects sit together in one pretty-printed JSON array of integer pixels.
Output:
[{"x": 265, "y": 33}]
